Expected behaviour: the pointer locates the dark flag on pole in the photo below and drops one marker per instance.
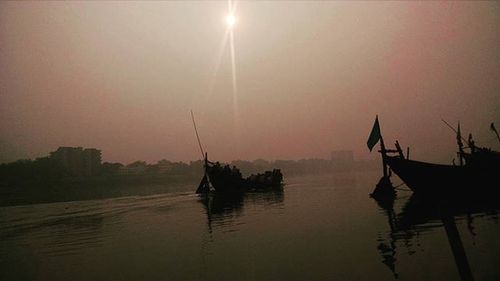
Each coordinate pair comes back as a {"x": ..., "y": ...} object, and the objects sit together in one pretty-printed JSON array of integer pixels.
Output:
[{"x": 374, "y": 135}]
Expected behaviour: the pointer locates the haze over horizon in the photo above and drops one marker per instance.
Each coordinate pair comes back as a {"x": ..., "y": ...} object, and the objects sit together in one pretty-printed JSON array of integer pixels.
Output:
[{"x": 310, "y": 78}]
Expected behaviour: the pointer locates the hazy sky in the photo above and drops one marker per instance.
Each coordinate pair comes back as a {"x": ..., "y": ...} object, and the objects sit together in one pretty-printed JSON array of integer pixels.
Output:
[{"x": 310, "y": 77}]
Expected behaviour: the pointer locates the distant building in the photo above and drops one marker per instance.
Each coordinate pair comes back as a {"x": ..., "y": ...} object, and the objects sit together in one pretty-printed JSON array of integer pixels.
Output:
[
  {"x": 77, "y": 161},
  {"x": 342, "y": 157},
  {"x": 91, "y": 161}
]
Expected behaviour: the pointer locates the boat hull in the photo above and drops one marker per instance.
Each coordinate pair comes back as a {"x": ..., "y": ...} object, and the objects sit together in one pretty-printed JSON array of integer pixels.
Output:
[{"x": 436, "y": 179}]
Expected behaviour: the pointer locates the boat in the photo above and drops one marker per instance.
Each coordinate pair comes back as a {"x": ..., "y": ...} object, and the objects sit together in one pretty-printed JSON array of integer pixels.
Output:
[
  {"x": 478, "y": 171},
  {"x": 226, "y": 179},
  {"x": 429, "y": 178}
]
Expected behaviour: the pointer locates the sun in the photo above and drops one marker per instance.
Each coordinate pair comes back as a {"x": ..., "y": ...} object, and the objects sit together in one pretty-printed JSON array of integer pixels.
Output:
[{"x": 230, "y": 20}]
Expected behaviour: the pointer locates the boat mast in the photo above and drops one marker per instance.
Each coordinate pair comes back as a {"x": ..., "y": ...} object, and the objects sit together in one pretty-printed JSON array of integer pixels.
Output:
[
  {"x": 460, "y": 146},
  {"x": 204, "y": 185},
  {"x": 459, "y": 141},
  {"x": 383, "y": 151},
  {"x": 197, "y": 136},
  {"x": 383, "y": 190}
]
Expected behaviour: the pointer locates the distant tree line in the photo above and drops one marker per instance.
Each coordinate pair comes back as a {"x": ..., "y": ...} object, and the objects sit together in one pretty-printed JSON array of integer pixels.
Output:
[
  {"x": 161, "y": 167},
  {"x": 49, "y": 170},
  {"x": 41, "y": 169}
]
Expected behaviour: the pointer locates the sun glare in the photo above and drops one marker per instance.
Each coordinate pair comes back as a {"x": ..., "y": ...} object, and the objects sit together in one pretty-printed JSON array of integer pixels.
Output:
[{"x": 230, "y": 20}]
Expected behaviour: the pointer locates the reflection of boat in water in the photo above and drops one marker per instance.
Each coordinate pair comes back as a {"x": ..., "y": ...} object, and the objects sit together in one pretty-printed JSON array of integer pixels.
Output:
[
  {"x": 421, "y": 210},
  {"x": 477, "y": 172},
  {"x": 223, "y": 178},
  {"x": 222, "y": 206},
  {"x": 422, "y": 214}
]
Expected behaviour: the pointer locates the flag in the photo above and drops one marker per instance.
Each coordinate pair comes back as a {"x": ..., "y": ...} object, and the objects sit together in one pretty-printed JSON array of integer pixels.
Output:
[{"x": 375, "y": 135}]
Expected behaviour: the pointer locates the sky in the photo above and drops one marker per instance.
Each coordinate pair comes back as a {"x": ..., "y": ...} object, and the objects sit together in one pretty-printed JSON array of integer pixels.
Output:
[{"x": 305, "y": 78}]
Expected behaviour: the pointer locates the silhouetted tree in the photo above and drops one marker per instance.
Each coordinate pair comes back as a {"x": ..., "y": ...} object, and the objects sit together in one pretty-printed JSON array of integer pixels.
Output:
[
  {"x": 138, "y": 163},
  {"x": 110, "y": 168},
  {"x": 47, "y": 169},
  {"x": 180, "y": 168},
  {"x": 42, "y": 170},
  {"x": 152, "y": 168}
]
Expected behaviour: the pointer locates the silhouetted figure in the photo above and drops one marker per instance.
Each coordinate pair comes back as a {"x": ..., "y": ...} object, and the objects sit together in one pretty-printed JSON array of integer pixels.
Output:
[
  {"x": 229, "y": 179},
  {"x": 236, "y": 172},
  {"x": 471, "y": 143}
]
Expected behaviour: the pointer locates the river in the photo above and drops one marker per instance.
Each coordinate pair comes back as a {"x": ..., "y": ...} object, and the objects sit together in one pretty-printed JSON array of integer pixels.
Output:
[{"x": 318, "y": 228}]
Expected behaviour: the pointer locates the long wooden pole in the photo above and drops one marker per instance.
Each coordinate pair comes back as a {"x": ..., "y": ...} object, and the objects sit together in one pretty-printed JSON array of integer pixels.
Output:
[
  {"x": 457, "y": 248},
  {"x": 197, "y": 136},
  {"x": 447, "y": 124}
]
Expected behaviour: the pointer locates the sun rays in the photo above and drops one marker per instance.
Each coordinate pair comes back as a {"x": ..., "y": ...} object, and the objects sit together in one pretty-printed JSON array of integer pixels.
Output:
[{"x": 227, "y": 43}]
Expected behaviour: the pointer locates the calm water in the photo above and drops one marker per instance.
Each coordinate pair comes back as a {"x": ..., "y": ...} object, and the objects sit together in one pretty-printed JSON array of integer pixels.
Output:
[{"x": 318, "y": 228}]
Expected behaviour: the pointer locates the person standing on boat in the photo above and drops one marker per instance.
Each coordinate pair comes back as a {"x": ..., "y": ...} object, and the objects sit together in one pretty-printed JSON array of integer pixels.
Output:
[
  {"x": 236, "y": 172},
  {"x": 472, "y": 144}
]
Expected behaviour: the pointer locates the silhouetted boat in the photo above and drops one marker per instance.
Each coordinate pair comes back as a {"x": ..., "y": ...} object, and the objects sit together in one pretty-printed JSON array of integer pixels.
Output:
[
  {"x": 226, "y": 179},
  {"x": 223, "y": 178},
  {"x": 477, "y": 173},
  {"x": 480, "y": 173}
]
